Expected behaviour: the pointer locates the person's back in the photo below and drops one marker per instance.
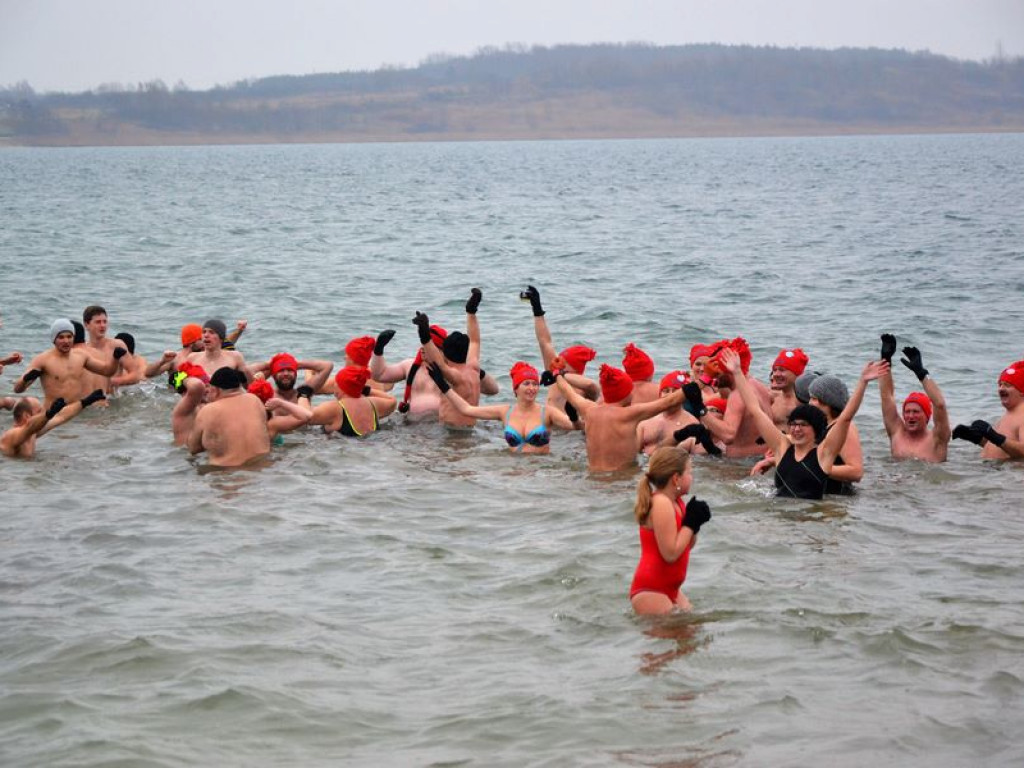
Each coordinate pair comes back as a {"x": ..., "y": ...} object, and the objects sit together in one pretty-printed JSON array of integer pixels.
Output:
[
  {"x": 234, "y": 430},
  {"x": 233, "y": 427}
]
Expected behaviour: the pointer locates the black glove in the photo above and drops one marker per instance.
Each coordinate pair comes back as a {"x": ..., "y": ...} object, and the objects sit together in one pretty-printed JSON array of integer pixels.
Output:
[
  {"x": 532, "y": 295},
  {"x": 55, "y": 407},
  {"x": 437, "y": 377},
  {"x": 703, "y": 436},
  {"x": 985, "y": 429},
  {"x": 382, "y": 341},
  {"x": 697, "y": 513},
  {"x": 94, "y": 396},
  {"x": 888, "y": 347},
  {"x": 694, "y": 399},
  {"x": 422, "y": 323},
  {"x": 912, "y": 360},
  {"x": 119, "y": 352},
  {"x": 31, "y": 375},
  {"x": 571, "y": 411},
  {"x": 305, "y": 391},
  {"x": 963, "y": 432},
  {"x": 547, "y": 379},
  {"x": 474, "y": 301}
]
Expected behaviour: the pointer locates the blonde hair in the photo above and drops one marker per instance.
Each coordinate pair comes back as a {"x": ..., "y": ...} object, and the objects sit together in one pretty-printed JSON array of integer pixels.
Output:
[{"x": 664, "y": 463}]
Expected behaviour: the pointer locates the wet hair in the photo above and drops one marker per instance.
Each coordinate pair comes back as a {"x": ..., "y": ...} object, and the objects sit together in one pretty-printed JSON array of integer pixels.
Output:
[
  {"x": 129, "y": 341},
  {"x": 813, "y": 416},
  {"x": 456, "y": 347},
  {"x": 79, "y": 332},
  {"x": 91, "y": 311},
  {"x": 22, "y": 408},
  {"x": 664, "y": 463}
]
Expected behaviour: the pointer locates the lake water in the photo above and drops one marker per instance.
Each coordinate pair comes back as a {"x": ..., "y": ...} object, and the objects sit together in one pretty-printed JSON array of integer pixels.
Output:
[{"x": 425, "y": 598}]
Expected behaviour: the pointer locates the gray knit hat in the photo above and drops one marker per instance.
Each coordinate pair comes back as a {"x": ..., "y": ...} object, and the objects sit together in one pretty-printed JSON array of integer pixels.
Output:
[
  {"x": 803, "y": 384},
  {"x": 61, "y": 325},
  {"x": 831, "y": 391}
]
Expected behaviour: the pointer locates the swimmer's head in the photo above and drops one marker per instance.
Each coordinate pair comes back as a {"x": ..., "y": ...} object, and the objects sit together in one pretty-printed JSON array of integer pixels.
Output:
[
  {"x": 668, "y": 469},
  {"x": 218, "y": 327},
  {"x": 813, "y": 417},
  {"x": 716, "y": 404},
  {"x": 129, "y": 341},
  {"x": 360, "y": 350},
  {"x": 262, "y": 389},
  {"x": 1013, "y": 375},
  {"x": 802, "y": 385},
  {"x": 79, "y": 332},
  {"x": 672, "y": 381},
  {"x": 225, "y": 379},
  {"x": 917, "y": 411},
  {"x": 191, "y": 334},
  {"x": 456, "y": 347},
  {"x": 637, "y": 363},
  {"x": 62, "y": 325},
  {"x": 829, "y": 390},
  {"x": 351, "y": 379},
  {"x": 25, "y": 409},
  {"x": 577, "y": 357},
  {"x": 616, "y": 385},
  {"x": 522, "y": 373},
  {"x": 789, "y": 364}
]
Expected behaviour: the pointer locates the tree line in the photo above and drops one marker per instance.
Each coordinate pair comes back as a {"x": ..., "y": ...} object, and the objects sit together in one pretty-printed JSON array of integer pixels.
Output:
[{"x": 652, "y": 85}]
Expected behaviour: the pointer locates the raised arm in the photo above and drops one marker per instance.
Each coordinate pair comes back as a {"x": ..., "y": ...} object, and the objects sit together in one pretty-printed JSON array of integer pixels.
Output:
[
  {"x": 772, "y": 435},
  {"x": 540, "y": 325},
  {"x": 912, "y": 359},
  {"x": 579, "y": 402},
  {"x": 161, "y": 366},
  {"x": 319, "y": 371},
  {"x": 833, "y": 443},
  {"x": 379, "y": 368},
  {"x": 473, "y": 327}
]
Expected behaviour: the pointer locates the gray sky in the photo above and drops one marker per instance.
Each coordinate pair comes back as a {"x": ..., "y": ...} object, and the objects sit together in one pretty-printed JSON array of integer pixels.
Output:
[{"x": 78, "y": 44}]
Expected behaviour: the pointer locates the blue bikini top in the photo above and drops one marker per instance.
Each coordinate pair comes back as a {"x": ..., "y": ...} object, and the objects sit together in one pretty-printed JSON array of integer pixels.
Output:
[{"x": 537, "y": 437}]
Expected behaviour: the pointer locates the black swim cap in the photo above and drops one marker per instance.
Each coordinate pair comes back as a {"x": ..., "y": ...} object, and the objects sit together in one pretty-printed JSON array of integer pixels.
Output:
[
  {"x": 225, "y": 378},
  {"x": 813, "y": 416},
  {"x": 456, "y": 347},
  {"x": 129, "y": 341},
  {"x": 79, "y": 332}
]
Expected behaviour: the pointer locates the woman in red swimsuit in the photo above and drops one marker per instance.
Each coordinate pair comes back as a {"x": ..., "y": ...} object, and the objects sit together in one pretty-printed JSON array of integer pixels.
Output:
[{"x": 667, "y": 532}]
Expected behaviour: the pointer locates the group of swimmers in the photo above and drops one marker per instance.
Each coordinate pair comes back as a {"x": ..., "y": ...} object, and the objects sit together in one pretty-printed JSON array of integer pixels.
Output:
[{"x": 801, "y": 424}]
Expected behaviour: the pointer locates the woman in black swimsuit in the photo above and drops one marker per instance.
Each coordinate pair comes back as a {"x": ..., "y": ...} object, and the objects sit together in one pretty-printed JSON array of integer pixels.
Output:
[{"x": 802, "y": 463}]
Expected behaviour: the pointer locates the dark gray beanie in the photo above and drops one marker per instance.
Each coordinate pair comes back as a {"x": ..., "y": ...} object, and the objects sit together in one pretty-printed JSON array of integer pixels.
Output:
[
  {"x": 802, "y": 385},
  {"x": 831, "y": 391}
]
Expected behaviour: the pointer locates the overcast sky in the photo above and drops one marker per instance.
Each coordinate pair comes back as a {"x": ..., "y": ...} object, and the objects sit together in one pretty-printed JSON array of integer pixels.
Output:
[{"x": 75, "y": 45}]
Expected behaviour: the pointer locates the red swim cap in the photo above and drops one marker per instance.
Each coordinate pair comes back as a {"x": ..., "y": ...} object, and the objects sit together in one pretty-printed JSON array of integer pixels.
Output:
[
  {"x": 262, "y": 389},
  {"x": 615, "y": 384},
  {"x": 190, "y": 334},
  {"x": 522, "y": 372},
  {"x": 674, "y": 380},
  {"x": 578, "y": 356},
  {"x": 792, "y": 360},
  {"x": 718, "y": 403},
  {"x": 360, "y": 350},
  {"x": 283, "y": 362},
  {"x": 1014, "y": 375},
  {"x": 638, "y": 364},
  {"x": 700, "y": 350},
  {"x": 351, "y": 379},
  {"x": 193, "y": 370},
  {"x": 438, "y": 335},
  {"x": 922, "y": 400}
]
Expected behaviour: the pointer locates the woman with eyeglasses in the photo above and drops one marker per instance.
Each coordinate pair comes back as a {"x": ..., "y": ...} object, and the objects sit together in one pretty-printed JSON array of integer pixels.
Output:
[{"x": 804, "y": 457}]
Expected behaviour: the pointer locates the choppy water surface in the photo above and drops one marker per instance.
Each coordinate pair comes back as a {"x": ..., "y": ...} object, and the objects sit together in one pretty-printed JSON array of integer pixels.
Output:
[{"x": 424, "y": 598}]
